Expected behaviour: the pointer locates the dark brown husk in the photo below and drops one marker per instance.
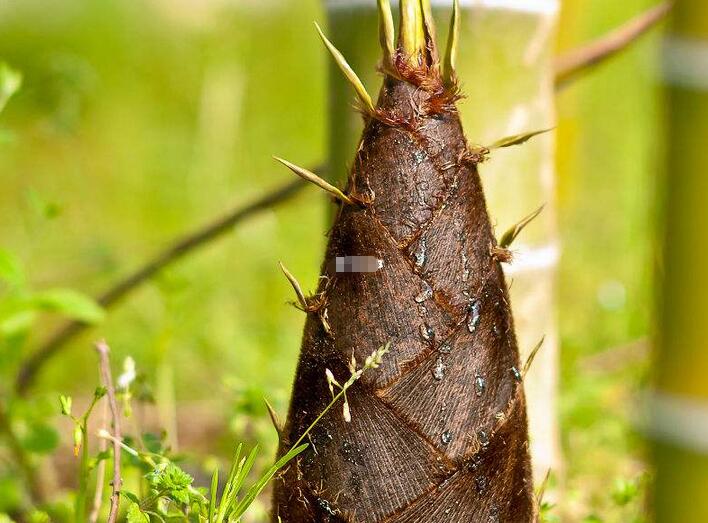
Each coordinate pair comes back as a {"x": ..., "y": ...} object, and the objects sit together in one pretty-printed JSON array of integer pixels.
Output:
[{"x": 438, "y": 433}]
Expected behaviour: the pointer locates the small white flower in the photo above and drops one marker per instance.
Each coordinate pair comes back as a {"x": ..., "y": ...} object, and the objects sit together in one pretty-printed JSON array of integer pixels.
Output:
[
  {"x": 331, "y": 381},
  {"x": 346, "y": 412},
  {"x": 352, "y": 364},
  {"x": 129, "y": 373}
]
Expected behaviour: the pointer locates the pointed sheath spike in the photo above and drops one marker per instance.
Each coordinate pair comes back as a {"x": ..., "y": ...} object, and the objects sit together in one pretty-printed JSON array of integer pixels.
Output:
[
  {"x": 296, "y": 286},
  {"x": 531, "y": 357},
  {"x": 542, "y": 488},
  {"x": 313, "y": 178},
  {"x": 275, "y": 419},
  {"x": 386, "y": 31},
  {"x": 452, "y": 43},
  {"x": 517, "y": 139},
  {"x": 430, "y": 33},
  {"x": 349, "y": 73},
  {"x": 411, "y": 37},
  {"x": 509, "y": 236}
]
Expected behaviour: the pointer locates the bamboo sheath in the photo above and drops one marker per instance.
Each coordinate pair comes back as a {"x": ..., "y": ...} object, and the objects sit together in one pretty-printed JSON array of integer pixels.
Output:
[{"x": 508, "y": 86}]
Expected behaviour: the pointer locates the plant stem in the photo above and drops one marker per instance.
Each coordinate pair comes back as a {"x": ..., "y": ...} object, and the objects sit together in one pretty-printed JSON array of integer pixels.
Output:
[
  {"x": 107, "y": 378},
  {"x": 81, "y": 494},
  {"x": 100, "y": 471}
]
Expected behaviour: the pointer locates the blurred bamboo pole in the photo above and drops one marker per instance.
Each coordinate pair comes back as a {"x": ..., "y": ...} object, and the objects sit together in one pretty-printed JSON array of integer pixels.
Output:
[
  {"x": 506, "y": 71},
  {"x": 679, "y": 406}
]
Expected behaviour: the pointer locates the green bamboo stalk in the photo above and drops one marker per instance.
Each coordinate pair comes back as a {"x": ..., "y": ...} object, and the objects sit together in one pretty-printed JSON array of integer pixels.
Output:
[
  {"x": 505, "y": 70},
  {"x": 680, "y": 402}
]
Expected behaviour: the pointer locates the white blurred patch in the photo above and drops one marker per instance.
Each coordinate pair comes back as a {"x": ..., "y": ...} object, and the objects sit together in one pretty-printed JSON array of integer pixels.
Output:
[
  {"x": 678, "y": 420},
  {"x": 536, "y": 259},
  {"x": 129, "y": 374},
  {"x": 686, "y": 63},
  {"x": 612, "y": 295}
]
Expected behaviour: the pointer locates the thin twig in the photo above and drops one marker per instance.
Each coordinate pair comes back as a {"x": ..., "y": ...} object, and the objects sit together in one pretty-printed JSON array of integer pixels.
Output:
[
  {"x": 107, "y": 378},
  {"x": 578, "y": 61},
  {"x": 568, "y": 69},
  {"x": 179, "y": 248},
  {"x": 100, "y": 470}
]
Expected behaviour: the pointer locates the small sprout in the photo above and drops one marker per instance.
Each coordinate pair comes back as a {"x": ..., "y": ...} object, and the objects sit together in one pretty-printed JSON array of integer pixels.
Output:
[
  {"x": 452, "y": 44},
  {"x": 349, "y": 73},
  {"x": 319, "y": 182},
  {"x": 517, "y": 139},
  {"x": 352, "y": 364},
  {"x": 509, "y": 236},
  {"x": 65, "y": 403}
]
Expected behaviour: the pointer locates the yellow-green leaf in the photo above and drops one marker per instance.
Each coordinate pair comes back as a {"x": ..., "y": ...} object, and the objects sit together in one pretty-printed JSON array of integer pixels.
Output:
[{"x": 69, "y": 303}]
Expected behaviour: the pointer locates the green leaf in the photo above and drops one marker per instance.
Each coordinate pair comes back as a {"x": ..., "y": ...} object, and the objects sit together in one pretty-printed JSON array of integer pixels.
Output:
[
  {"x": 173, "y": 481},
  {"x": 258, "y": 487},
  {"x": 212, "y": 494},
  {"x": 40, "y": 438},
  {"x": 624, "y": 491},
  {"x": 129, "y": 495},
  {"x": 17, "y": 323},
  {"x": 70, "y": 303},
  {"x": 38, "y": 516},
  {"x": 11, "y": 495},
  {"x": 11, "y": 269},
  {"x": 135, "y": 515},
  {"x": 10, "y": 83}
]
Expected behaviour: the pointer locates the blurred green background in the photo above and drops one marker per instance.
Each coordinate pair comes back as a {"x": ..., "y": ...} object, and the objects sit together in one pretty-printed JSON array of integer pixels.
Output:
[{"x": 139, "y": 120}]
